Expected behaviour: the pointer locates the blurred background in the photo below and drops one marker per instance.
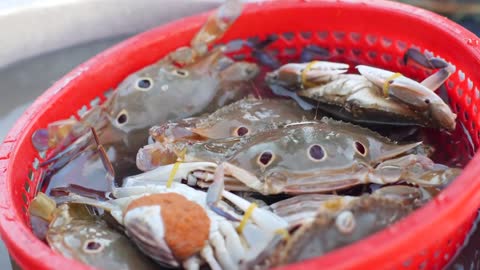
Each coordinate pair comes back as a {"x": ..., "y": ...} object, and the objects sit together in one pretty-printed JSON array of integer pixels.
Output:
[{"x": 44, "y": 39}]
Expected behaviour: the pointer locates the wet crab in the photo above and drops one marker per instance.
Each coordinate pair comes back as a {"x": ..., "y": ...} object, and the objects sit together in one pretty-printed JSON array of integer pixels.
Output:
[
  {"x": 376, "y": 96},
  {"x": 307, "y": 157},
  {"x": 178, "y": 225},
  {"x": 245, "y": 117}
]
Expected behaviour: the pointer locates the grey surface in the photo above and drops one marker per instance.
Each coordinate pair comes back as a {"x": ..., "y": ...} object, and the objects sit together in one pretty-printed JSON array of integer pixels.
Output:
[{"x": 31, "y": 28}]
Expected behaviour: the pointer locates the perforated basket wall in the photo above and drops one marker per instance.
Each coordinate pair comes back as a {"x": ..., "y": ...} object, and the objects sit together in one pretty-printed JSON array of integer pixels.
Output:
[{"x": 370, "y": 32}]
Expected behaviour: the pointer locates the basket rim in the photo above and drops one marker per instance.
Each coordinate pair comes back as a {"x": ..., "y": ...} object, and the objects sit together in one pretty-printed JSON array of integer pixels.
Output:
[{"x": 382, "y": 246}]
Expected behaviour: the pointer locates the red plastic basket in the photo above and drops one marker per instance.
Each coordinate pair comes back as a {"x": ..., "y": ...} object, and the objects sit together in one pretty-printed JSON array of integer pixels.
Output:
[{"x": 369, "y": 32}]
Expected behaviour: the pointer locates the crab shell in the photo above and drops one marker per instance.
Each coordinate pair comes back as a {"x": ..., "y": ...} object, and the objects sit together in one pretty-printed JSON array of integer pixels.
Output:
[
  {"x": 167, "y": 226},
  {"x": 361, "y": 218}
]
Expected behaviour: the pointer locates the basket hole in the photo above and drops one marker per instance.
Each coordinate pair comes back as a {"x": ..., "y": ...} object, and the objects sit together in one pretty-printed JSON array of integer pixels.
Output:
[
  {"x": 407, "y": 263},
  {"x": 422, "y": 265},
  {"x": 477, "y": 93},
  {"x": 401, "y": 45},
  {"x": 436, "y": 254},
  {"x": 386, "y": 42},
  {"x": 323, "y": 35},
  {"x": 457, "y": 108},
  {"x": 239, "y": 56},
  {"x": 289, "y": 51},
  {"x": 35, "y": 163},
  {"x": 356, "y": 52},
  {"x": 24, "y": 198},
  {"x": 372, "y": 54},
  {"x": 27, "y": 186},
  {"x": 340, "y": 50},
  {"x": 252, "y": 41},
  {"x": 30, "y": 174},
  {"x": 306, "y": 35},
  {"x": 312, "y": 52},
  {"x": 459, "y": 91},
  {"x": 273, "y": 52},
  {"x": 108, "y": 93},
  {"x": 387, "y": 57},
  {"x": 288, "y": 36},
  {"x": 339, "y": 35},
  {"x": 82, "y": 111},
  {"x": 450, "y": 84},
  {"x": 371, "y": 39},
  {"x": 468, "y": 99},
  {"x": 95, "y": 102},
  {"x": 354, "y": 36},
  {"x": 235, "y": 45},
  {"x": 474, "y": 108},
  {"x": 465, "y": 114},
  {"x": 24, "y": 209},
  {"x": 461, "y": 76},
  {"x": 446, "y": 256},
  {"x": 42, "y": 154},
  {"x": 469, "y": 84}
]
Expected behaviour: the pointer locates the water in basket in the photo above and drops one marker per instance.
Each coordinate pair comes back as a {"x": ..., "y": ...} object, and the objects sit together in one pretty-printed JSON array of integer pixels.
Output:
[{"x": 375, "y": 33}]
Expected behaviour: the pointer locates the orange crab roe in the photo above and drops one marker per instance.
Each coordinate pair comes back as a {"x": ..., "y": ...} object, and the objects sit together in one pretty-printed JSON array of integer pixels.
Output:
[{"x": 186, "y": 223}]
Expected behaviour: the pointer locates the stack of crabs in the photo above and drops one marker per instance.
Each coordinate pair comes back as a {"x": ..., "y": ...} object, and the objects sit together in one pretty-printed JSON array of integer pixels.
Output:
[{"x": 232, "y": 180}]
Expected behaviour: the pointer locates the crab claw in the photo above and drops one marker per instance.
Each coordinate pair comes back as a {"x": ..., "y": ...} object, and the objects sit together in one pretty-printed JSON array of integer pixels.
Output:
[
  {"x": 161, "y": 174},
  {"x": 152, "y": 156},
  {"x": 217, "y": 24},
  {"x": 413, "y": 94},
  {"x": 295, "y": 76}
]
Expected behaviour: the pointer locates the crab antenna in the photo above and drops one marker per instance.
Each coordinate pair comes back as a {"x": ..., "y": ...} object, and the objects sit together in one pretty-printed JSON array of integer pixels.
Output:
[{"x": 105, "y": 160}]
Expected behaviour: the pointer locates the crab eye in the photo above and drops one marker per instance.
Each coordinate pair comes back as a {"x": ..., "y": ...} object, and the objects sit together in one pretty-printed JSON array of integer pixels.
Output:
[
  {"x": 92, "y": 246},
  {"x": 180, "y": 73},
  {"x": 316, "y": 152},
  {"x": 144, "y": 84},
  {"x": 265, "y": 158},
  {"x": 360, "y": 148},
  {"x": 241, "y": 131},
  {"x": 122, "y": 117}
]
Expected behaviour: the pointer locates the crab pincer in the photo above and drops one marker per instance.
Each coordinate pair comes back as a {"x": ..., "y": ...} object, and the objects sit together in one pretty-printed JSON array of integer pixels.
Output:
[{"x": 418, "y": 96}]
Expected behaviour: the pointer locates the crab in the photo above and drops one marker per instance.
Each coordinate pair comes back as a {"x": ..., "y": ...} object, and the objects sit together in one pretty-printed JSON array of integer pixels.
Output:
[
  {"x": 306, "y": 157},
  {"x": 176, "y": 225},
  {"x": 375, "y": 96}
]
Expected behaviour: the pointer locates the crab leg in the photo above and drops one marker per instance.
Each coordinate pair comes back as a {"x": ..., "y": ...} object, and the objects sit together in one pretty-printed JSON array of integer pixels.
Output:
[
  {"x": 216, "y": 25},
  {"x": 263, "y": 218},
  {"x": 264, "y": 225},
  {"x": 207, "y": 254},
  {"x": 413, "y": 168},
  {"x": 232, "y": 241},
  {"x": 160, "y": 175},
  {"x": 218, "y": 243},
  {"x": 192, "y": 263},
  {"x": 302, "y": 208},
  {"x": 296, "y": 76}
]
